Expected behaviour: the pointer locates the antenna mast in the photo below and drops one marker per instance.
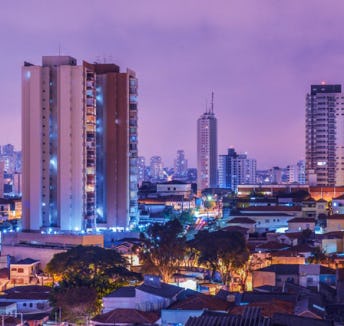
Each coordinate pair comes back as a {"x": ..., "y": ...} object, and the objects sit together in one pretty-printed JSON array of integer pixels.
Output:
[{"x": 212, "y": 102}]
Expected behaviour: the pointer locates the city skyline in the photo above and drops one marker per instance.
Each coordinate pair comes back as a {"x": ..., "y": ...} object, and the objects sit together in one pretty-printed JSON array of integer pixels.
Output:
[{"x": 258, "y": 58}]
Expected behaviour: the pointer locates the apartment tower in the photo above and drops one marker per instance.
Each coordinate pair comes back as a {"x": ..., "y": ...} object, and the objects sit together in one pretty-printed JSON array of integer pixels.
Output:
[
  {"x": 207, "y": 149},
  {"x": 325, "y": 135},
  {"x": 79, "y": 129}
]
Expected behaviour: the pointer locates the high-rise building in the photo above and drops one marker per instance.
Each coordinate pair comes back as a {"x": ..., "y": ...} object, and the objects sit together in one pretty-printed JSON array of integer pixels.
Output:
[
  {"x": 236, "y": 169},
  {"x": 79, "y": 137},
  {"x": 207, "y": 149},
  {"x": 325, "y": 135},
  {"x": 156, "y": 168},
  {"x": 180, "y": 164}
]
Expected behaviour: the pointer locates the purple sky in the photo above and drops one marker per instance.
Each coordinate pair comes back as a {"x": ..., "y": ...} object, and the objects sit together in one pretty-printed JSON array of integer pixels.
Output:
[{"x": 259, "y": 57}]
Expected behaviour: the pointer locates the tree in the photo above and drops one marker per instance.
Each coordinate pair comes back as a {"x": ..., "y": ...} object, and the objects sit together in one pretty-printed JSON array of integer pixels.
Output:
[
  {"x": 164, "y": 248},
  {"x": 87, "y": 267},
  {"x": 221, "y": 251},
  {"x": 317, "y": 256},
  {"x": 254, "y": 262}
]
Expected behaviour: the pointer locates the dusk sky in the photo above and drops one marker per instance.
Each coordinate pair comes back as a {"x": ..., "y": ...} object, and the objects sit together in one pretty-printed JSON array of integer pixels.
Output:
[{"x": 259, "y": 57}]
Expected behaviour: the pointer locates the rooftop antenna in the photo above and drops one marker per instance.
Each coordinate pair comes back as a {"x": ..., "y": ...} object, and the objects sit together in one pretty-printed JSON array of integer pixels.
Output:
[
  {"x": 206, "y": 106},
  {"x": 212, "y": 102},
  {"x": 59, "y": 49}
]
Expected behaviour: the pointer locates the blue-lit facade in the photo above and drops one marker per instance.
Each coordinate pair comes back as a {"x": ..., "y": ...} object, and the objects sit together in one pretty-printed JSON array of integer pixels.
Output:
[{"x": 79, "y": 145}]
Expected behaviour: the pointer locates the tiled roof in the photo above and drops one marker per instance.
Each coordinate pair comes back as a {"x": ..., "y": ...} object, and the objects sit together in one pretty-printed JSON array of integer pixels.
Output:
[
  {"x": 233, "y": 228},
  {"x": 272, "y": 245},
  {"x": 123, "y": 292},
  {"x": 272, "y": 209},
  {"x": 26, "y": 261},
  {"x": 165, "y": 290},
  {"x": 29, "y": 289},
  {"x": 268, "y": 308},
  {"x": 251, "y": 297},
  {"x": 336, "y": 217},
  {"x": 302, "y": 220},
  {"x": 200, "y": 302},
  {"x": 251, "y": 316},
  {"x": 282, "y": 269},
  {"x": 241, "y": 220},
  {"x": 292, "y": 320},
  {"x": 127, "y": 316}
]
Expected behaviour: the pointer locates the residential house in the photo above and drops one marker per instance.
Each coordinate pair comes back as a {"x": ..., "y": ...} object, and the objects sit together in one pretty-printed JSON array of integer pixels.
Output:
[
  {"x": 301, "y": 223},
  {"x": 243, "y": 222},
  {"x": 24, "y": 271},
  {"x": 179, "y": 312},
  {"x": 335, "y": 223},
  {"x": 152, "y": 295},
  {"x": 307, "y": 275},
  {"x": 338, "y": 205},
  {"x": 29, "y": 299}
]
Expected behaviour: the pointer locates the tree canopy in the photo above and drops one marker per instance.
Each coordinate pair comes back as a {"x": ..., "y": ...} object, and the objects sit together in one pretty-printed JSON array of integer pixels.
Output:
[
  {"x": 221, "y": 251},
  {"x": 164, "y": 248},
  {"x": 86, "y": 267}
]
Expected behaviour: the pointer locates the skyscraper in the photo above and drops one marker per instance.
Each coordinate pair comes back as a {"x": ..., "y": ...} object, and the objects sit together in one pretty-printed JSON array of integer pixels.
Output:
[
  {"x": 325, "y": 135},
  {"x": 79, "y": 129},
  {"x": 207, "y": 149}
]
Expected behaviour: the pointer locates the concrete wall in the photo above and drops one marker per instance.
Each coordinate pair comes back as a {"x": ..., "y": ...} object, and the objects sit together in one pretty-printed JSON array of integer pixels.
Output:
[
  {"x": 44, "y": 255},
  {"x": 14, "y": 238},
  {"x": 260, "y": 278}
]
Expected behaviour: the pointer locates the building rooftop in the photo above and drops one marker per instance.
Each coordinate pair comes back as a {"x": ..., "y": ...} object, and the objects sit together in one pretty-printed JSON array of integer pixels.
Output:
[
  {"x": 200, "y": 302},
  {"x": 282, "y": 269},
  {"x": 302, "y": 220},
  {"x": 123, "y": 292},
  {"x": 336, "y": 217},
  {"x": 26, "y": 261},
  {"x": 241, "y": 220},
  {"x": 272, "y": 209},
  {"x": 165, "y": 290},
  {"x": 127, "y": 316},
  {"x": 272, "y": 245}
]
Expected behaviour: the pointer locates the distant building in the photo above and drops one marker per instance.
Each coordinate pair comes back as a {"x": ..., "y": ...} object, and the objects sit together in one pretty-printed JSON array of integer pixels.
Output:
[
  {"x": 296, "y": 173},
  {"x": 207, "y": 149},
  {"x": 180, "y": 163},
  {"x": 156, "y": 168},
  {"x": 325, "y": 135},
  {"x": 235, "y": 169}
]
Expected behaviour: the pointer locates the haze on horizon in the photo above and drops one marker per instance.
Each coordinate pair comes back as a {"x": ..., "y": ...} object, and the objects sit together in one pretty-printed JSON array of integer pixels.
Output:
[{"x": 259, "y": 57}]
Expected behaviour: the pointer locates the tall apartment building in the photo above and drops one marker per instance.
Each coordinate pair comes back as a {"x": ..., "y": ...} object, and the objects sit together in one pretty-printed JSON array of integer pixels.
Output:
[
  {"x": 180, "y": 163},
  {"x": 236, "y": 169},
  {"x": 325, "y": 135},
  {"x": 79, "y": 138},
  {"x": 207, "y": 149}
]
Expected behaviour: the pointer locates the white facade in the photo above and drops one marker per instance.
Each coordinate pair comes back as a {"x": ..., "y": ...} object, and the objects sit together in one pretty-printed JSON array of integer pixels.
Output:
[
  {"x": 207, "y": 151},
  {"x": 53, "y": 146}
]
